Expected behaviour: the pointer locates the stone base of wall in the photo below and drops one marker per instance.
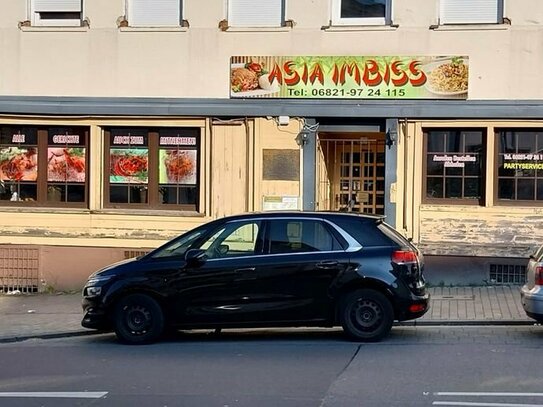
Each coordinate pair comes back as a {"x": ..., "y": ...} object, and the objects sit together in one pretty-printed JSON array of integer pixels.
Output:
[
  {"x": 57, "y": 268},
  {"x": 474, "y": 271}
]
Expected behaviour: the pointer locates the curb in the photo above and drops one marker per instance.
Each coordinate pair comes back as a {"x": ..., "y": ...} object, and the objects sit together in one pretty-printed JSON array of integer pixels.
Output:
[
  {"x": 430, "y": 323},
  {"x": 469, "y": 322},
  {"x": 57, "y": 335}
]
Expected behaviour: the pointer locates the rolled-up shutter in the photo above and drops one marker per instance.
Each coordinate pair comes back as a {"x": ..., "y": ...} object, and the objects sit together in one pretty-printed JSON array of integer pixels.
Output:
[
  {"x": 255, "y": 13},
  {"x": 154, "y": 13},
  {"x": 470, "y": 11},
  {"x": 57, "y": 6}
]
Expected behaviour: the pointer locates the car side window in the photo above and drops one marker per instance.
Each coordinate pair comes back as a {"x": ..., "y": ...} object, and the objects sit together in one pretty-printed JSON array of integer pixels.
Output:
[
  {"x": 299, "y": 236},
  {"x": 233, "y": 240}
]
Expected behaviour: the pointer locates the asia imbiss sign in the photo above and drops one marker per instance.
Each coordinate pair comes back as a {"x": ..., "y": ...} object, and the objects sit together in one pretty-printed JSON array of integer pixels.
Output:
[{"x": 350, "y": 77}]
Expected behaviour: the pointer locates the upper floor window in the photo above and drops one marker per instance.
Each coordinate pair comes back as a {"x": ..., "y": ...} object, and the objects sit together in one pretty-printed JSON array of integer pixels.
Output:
[
  {"x": 60, "y": 13},
  {"x": 520, "y": 166},
  {"x": 256, "y": 13},
  {"x": 44, "y": 166},
  {"x": 471, "y": 11},
  {"x": 454, "y": 166},
  {"x": 361, "y": 12},
  {"x": 154, "y": 13}
]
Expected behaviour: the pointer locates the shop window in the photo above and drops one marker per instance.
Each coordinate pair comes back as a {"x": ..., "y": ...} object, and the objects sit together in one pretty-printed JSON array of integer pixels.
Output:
[
  {"x": 43, "y": 166},
  {"x": 64, "y": 13},
  {"x": 256, "y": 13},
  {"x": 154, "y": 13},
  {"x": 520, "y": 166},
  {"x": 471, "y": 11},
  {"x": 454, "y": 166},
  {"x": 152, "y": 168},
  {"x": 361, "y": 12}
]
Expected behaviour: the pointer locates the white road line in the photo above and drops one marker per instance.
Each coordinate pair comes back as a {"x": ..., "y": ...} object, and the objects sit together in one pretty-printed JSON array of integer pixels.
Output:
[
  {"x": 467, "y": 403},
  {"x": 502, "y": 394},
  {"x": 57, "y": 394}
]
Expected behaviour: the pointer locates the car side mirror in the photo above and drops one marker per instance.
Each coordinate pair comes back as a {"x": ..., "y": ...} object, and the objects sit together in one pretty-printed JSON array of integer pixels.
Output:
[{"x": 195, "y": 257}]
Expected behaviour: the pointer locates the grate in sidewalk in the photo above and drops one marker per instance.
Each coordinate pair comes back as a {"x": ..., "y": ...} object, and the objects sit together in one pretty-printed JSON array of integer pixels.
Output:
[{"x": 453, "y": 297}]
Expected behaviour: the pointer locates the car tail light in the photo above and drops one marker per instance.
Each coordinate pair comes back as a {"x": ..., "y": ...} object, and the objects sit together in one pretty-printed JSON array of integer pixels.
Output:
[
  {"x": 539, "y": 275},
  {"x": 404, "y": 257}
]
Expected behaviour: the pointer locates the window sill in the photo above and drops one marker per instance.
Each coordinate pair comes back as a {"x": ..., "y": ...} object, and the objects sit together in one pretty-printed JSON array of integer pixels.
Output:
[
  {"x": 42, "y": 209},
  {"x": 153, "y": 29},
  {"x": 258, "y": 29},
  {"x": 347, "y": 28},
  {"x": 44, "y": 28},
  {"x": 470, "y": 27},
  {"x": 148, "y": 212}
]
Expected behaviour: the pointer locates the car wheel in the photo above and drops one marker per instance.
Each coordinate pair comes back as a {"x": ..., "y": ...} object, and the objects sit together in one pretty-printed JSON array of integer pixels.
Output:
[
  {"x": 138, "y": 319},
  {"x": 366, "y": 315}
]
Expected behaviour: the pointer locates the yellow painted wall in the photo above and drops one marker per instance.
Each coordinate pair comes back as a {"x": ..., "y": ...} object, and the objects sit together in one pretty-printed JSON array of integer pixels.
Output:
[{"x": 493, "y": 229}]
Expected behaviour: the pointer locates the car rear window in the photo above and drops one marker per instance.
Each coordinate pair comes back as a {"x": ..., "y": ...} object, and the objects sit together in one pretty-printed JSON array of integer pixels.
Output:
[
  {"x": 394, "y": 235},
  {"x": 538, "y": 255},
  {"x": 367, "y": 232}
]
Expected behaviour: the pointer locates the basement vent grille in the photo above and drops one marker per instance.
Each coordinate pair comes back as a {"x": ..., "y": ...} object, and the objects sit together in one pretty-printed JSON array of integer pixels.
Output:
[
  {"x": 19, "y": 270},
  {"x": 507, "y": 274},
  {"x": 129, "y": 254}
]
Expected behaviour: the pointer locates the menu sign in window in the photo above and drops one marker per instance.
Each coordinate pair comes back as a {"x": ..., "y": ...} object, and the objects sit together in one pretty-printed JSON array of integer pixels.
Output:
[
  {"x": 177, "y": 165},
  {"x": 66, "y": 158},
  {"x": 129, "y": 158}
]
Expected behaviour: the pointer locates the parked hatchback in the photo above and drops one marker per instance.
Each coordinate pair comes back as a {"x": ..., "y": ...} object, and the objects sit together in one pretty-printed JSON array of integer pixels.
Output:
[
  {"x": 264, "y": 270},
  {"x": 532, "y": 292}
]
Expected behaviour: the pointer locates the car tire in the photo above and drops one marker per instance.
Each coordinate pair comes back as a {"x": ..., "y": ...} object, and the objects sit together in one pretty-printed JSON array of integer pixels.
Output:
[
  {"x": 366, "y": 315},
  {"x": 138, "y": 319}
]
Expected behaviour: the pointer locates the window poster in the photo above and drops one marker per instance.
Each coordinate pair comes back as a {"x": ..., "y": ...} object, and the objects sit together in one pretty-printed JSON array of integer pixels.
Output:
[
  {"x": 66, "y": 164},
  {"x": 129, "y": 165},
  {"x": 18, "y": 163},
  {"x": 177, "y": 166}
]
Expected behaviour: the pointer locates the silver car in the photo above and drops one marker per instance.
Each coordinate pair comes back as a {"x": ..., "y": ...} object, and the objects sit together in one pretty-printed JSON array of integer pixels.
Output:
[{"x": 532, "y": 292}]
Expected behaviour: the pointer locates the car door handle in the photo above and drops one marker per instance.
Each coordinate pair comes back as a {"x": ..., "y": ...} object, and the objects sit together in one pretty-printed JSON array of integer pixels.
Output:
[
  {"x": 328, "y": 264},
  {"x": 245, "y": 270}
]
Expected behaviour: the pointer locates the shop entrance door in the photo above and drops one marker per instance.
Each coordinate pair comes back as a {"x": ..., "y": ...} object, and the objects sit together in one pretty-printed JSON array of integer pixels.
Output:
[{"x": 351, "y": 173}]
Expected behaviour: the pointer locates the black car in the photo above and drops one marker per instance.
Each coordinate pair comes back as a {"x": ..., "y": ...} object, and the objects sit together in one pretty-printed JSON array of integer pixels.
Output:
[{"x": 264, "y": 270}]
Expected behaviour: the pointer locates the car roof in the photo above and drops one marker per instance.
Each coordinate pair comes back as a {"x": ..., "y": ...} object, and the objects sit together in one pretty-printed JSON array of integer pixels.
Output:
[{"x": 303, "y": 214}]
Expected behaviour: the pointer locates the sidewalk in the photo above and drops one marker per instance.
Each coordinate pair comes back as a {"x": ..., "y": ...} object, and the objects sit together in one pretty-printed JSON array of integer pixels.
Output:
[{"x": 57, "y": 315}]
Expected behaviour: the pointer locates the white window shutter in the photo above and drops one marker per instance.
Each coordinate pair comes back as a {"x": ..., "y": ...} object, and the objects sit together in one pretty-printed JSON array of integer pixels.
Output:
[
  {"x": 154, "y": 13},
  {"x": 57, "y": 5},
  {"x": 255, "y": 13},
  {"x": 469, "y": 11}
]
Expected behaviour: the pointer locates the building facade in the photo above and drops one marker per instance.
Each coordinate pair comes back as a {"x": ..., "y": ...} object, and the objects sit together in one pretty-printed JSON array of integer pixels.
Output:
[{"x": 126, "y": 122}]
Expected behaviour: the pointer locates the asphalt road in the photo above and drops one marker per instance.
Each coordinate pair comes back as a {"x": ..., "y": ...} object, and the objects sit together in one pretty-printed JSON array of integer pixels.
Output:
[{"x": 415, "y": 366}]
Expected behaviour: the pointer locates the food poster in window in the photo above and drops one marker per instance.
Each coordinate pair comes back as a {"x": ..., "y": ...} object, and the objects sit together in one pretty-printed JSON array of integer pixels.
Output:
[
  {"x": 177, "y": 161},
  {"x": 129, "y": 159},
  {"x": 350, "y": 77},
  {"x": 18, "y": 155},
  {"x": 66, "y": 158}
]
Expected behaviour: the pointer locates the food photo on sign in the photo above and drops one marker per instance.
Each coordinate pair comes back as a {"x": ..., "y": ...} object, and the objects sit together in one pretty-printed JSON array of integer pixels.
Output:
[
  {"x": 18, "y": 164},
  {"x": 128, "y": 165},
  {"x": 66, "y": 164},
  {"x": 177, "y": 166}
]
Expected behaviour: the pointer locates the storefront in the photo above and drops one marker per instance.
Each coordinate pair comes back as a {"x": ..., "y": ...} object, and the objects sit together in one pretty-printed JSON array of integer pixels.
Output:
[{"x": 87, "y": 181}]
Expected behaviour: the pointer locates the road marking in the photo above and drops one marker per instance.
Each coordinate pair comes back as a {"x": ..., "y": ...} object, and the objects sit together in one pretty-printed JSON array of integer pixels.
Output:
[
  {"x": 57, "y": 394},
  {"x": 467, "y": 403},
  {"x": 475, "y": 393}
]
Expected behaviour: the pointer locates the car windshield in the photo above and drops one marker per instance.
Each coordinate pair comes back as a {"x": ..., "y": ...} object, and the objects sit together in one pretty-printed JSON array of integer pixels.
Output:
[{"x": 179, "y": 246}]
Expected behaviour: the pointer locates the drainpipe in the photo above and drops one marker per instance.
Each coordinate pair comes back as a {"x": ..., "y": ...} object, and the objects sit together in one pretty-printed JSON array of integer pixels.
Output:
[
  {"x": 391, "y": 169},
  {"x": 307, "y": 139}
]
